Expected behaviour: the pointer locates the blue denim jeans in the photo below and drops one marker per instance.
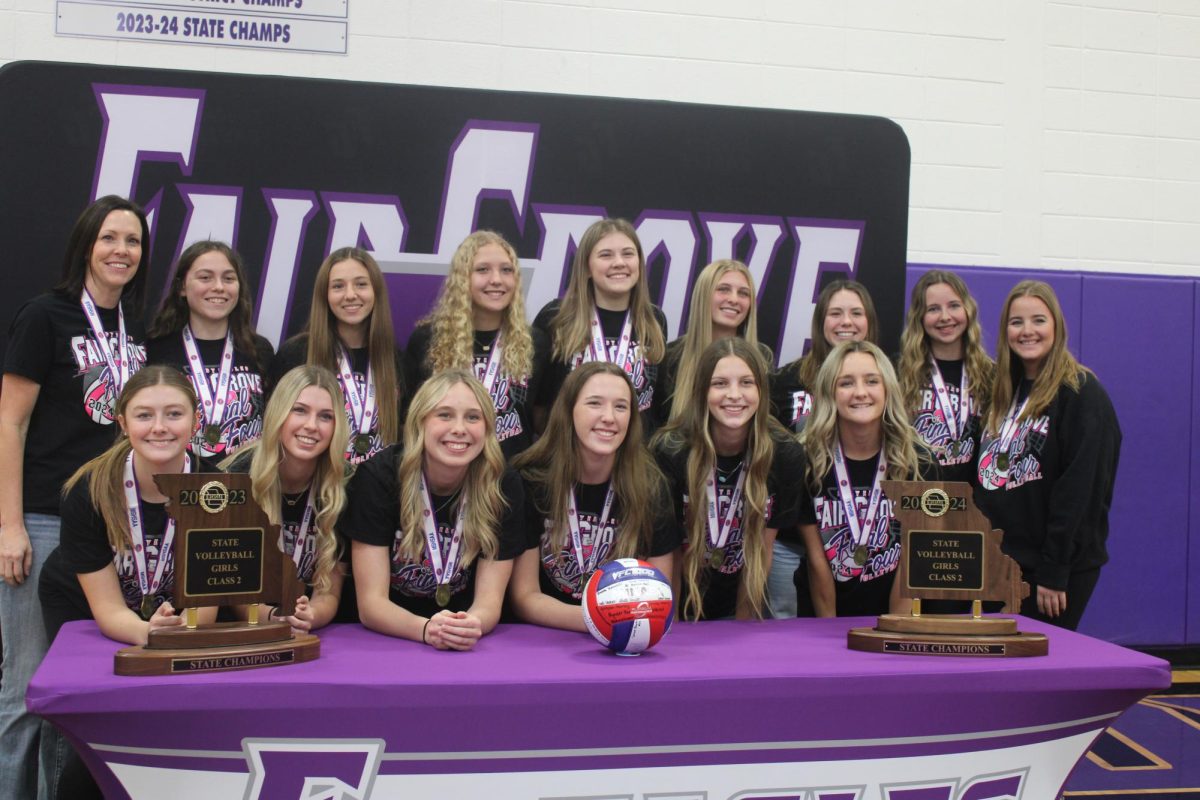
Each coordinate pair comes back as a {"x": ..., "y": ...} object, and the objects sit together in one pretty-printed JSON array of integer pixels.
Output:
[
  {"x": 781, "y": 591},
  {"x": 24, "y": 646}
]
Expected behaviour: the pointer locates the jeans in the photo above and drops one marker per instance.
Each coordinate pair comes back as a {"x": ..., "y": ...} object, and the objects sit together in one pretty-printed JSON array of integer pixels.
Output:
[
  {"x": 781, "y": 590},
  {"x": 24, "y": 646}
]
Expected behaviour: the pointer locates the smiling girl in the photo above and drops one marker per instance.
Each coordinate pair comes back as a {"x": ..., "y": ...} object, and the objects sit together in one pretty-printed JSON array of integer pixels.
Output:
[
  {"x": 70, "y": 352},
  {"x": 606, "y": 315},
  {"x": 479, "y": 323},
  {"x": 736, "y": 478},
  {"x": 1048, "y": 458},
  {"x": 945, "y": 374},
  {"x": 436, "y": 524},
  {"x": 350, "y": 334},
  {"x": 204, "y": 328},
  {"x": 593, "y": 494}
]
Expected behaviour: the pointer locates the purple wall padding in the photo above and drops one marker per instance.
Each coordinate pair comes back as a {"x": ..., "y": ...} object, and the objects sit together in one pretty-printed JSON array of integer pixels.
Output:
[{"x": 1138, "y": 333}]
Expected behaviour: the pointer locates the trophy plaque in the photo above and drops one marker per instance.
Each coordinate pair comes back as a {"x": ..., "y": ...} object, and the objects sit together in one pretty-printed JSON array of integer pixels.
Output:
[
  {"x": 949, "y": 551},
  {"x": 226, "y": 552}
]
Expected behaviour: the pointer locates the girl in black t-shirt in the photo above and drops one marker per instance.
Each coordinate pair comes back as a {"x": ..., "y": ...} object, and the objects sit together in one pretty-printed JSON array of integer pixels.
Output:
[
  {"x": 349, "y": 332},
  {"x": 436, "y": 524},
  {"x": 945, "y": 374},
  {"x": 298, "y": 477},
  {"x": 479, "y": 324},
  {"x": 606, "y": 315},
  {"x": 204, "y": 328},
  {"x": 70, "y": 352},
  {"x": 736, "y": 478},
  {"x": 593, "y": 494},
  {"x": 858, "y": 436}
]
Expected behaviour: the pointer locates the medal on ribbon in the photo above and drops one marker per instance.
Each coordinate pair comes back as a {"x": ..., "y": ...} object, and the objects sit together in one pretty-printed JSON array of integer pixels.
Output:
[
  {"x": 443, "y": 571},
  {"x": 601, "y": 536},
  {"x": 212, "y": 400},
  {"x": 861, "y": 529},
  {"x": 720, "y": 531}
]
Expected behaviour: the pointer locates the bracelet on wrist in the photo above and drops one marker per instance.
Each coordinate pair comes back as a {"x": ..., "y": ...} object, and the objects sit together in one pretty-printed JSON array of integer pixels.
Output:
[{"x": 424, "y": 628}]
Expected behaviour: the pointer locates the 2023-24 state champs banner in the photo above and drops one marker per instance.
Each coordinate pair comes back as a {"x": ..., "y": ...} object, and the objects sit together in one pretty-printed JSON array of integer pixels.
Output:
[{"x": 288, "y": 169}]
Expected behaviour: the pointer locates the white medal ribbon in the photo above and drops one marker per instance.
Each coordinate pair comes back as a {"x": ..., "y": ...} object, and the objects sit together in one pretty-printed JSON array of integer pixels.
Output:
[
  {"x": 214, "y": 406},
  {"x": 362, "y": 412},
  {"x": 443, "y": 572},
  {"x": 718, "y": 532},
  {"x": 599, "y": 351},
  {"x": 601, "y": 540},
  {"x": 118, "y": 364},
  {"x": 1009, "y": 429},
  {"x": 861, "y": 531},
  {"x": 310, "y": 511},
  {"x": 957, "y": 425},
  {"x": 492, "y": 370},
  {"x": 133, "y": 513}
]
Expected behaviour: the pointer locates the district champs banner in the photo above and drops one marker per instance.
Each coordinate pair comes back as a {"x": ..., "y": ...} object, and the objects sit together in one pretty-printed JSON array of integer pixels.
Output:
[{"x": 287, "y": 169}]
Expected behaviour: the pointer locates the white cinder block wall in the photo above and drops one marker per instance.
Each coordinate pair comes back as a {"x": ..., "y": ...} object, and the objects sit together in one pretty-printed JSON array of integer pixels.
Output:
[{"x": 1044, "y": 134}]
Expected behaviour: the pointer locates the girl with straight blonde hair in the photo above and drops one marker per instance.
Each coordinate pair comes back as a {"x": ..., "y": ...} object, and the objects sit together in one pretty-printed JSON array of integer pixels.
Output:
[
  {"x": 945, "y": 374},
  {"x": 437, "y": 522},
  {"x": 593, "y": 494},
  {"x": 349, "y": 333},
  {"x": 606, "y": 315},
  {"x": 298, "y": 476},
  {"x": 736, "y": 477},
  {"x": 858, "y": 436},
  {"x": 478, "y": 323},
  {"x": 1048, "y": 458}
]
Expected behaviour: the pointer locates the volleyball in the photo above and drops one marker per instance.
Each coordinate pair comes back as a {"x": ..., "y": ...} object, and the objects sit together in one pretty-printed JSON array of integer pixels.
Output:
[{"x": 628, "y": 606}]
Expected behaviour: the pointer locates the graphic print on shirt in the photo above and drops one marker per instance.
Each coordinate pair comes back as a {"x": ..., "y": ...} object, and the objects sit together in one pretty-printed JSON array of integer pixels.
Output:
[
  {"x": 735, "y": 558},
  {"x": 635, "y": 367},
  {"x": 562, "y": 567},
  {"x": 507, "y": 395},
  {"x": 99, "y": 388},
  {"x": 883, "y": 545},
  {"x": 242, "y": 422},
  {"x": 930, "y": 424},
  {"x": 801, "y": 405},
  {"x": 127, "y": 574},
  {"x": 417, "y": 579},
  {"x": 1023, "y": 453},
  {"x": 288, "y": 531}
]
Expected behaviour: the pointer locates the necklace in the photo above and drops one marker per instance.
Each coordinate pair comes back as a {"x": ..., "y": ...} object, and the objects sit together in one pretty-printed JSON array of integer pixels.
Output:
[
  {"x": 449, "y": 500},
  {"x": 292, "y": 499},
  {"x": 726, "y": 474}
]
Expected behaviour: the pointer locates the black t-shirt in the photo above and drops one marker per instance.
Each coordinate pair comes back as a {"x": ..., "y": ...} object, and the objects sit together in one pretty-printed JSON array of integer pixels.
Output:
[
  {"x": 791, "y": 400},
  {"x": 643, "y": 374},
  {"x": 372, "y": 516},
  {"x": 930, "y": 424},
  {"x": 560, "y": 576},
  {"x": 51, "y": 343},
  {"x": 785, "y": 488},
  {"x": 513, "y": 397},
  {"x": 293, "y": 353},
  {"x": 246, "y": 397}
]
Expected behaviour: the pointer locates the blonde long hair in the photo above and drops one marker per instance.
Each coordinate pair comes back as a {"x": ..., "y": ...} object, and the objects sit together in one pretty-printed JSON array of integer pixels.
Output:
[
  {"x": 571, "y": 327},
  {"x": 915, "y": 350},
  {"x": 1060, "y": 368},
  {"x": 452, "y": 334},
  {"x": 691, "y": 432},
  {"x": 105, "y": 473},
  {"x": 381, "y": 341},
  {"x": 900, "y": 442},
  {"x": 552, "y": 463},
  {"x": 481, "y": 488},
  {"x": 329, "y": 478},
  {"x": 699, "y": 333}
]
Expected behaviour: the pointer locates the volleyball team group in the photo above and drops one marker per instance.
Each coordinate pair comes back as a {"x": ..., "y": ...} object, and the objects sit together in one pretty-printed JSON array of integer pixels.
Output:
[{"x": 484, "y": 473}]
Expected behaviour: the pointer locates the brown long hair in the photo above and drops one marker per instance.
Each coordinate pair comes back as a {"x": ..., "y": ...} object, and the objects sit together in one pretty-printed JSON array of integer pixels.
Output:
[
  {"x": 381, "y": 339},
  {"x": 808, "y": 366},
  {"x": 552, "y": 464},
  {"x": 571, "y": 327},
  {"x": 691, "y": 432},
  {"x": 1060, "y": 369}
]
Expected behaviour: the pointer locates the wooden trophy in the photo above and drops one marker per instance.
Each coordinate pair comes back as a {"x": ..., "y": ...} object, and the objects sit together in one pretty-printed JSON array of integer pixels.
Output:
[
  {"x": 949, "y": 551},
  {"x": 226, "y": 552}
]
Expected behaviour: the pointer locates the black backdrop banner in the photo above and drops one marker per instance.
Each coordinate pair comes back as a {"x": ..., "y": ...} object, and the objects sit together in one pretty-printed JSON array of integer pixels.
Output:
[{"x": 288, "y": 169}]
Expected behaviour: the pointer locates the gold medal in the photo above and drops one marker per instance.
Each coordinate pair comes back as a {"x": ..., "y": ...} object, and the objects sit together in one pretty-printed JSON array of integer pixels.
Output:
[
  {"x": 362, "y": 446},
  {"x": 717, "y": 559},
  {"x": 212, "y": 433},
  {"x": 952, "y": 450},
  {"x": 1002, "y": 462},
  {"x": 860, "y": 555},
  {"x": 443, "y": 595},
  {"x": 148, "y": 607}
]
